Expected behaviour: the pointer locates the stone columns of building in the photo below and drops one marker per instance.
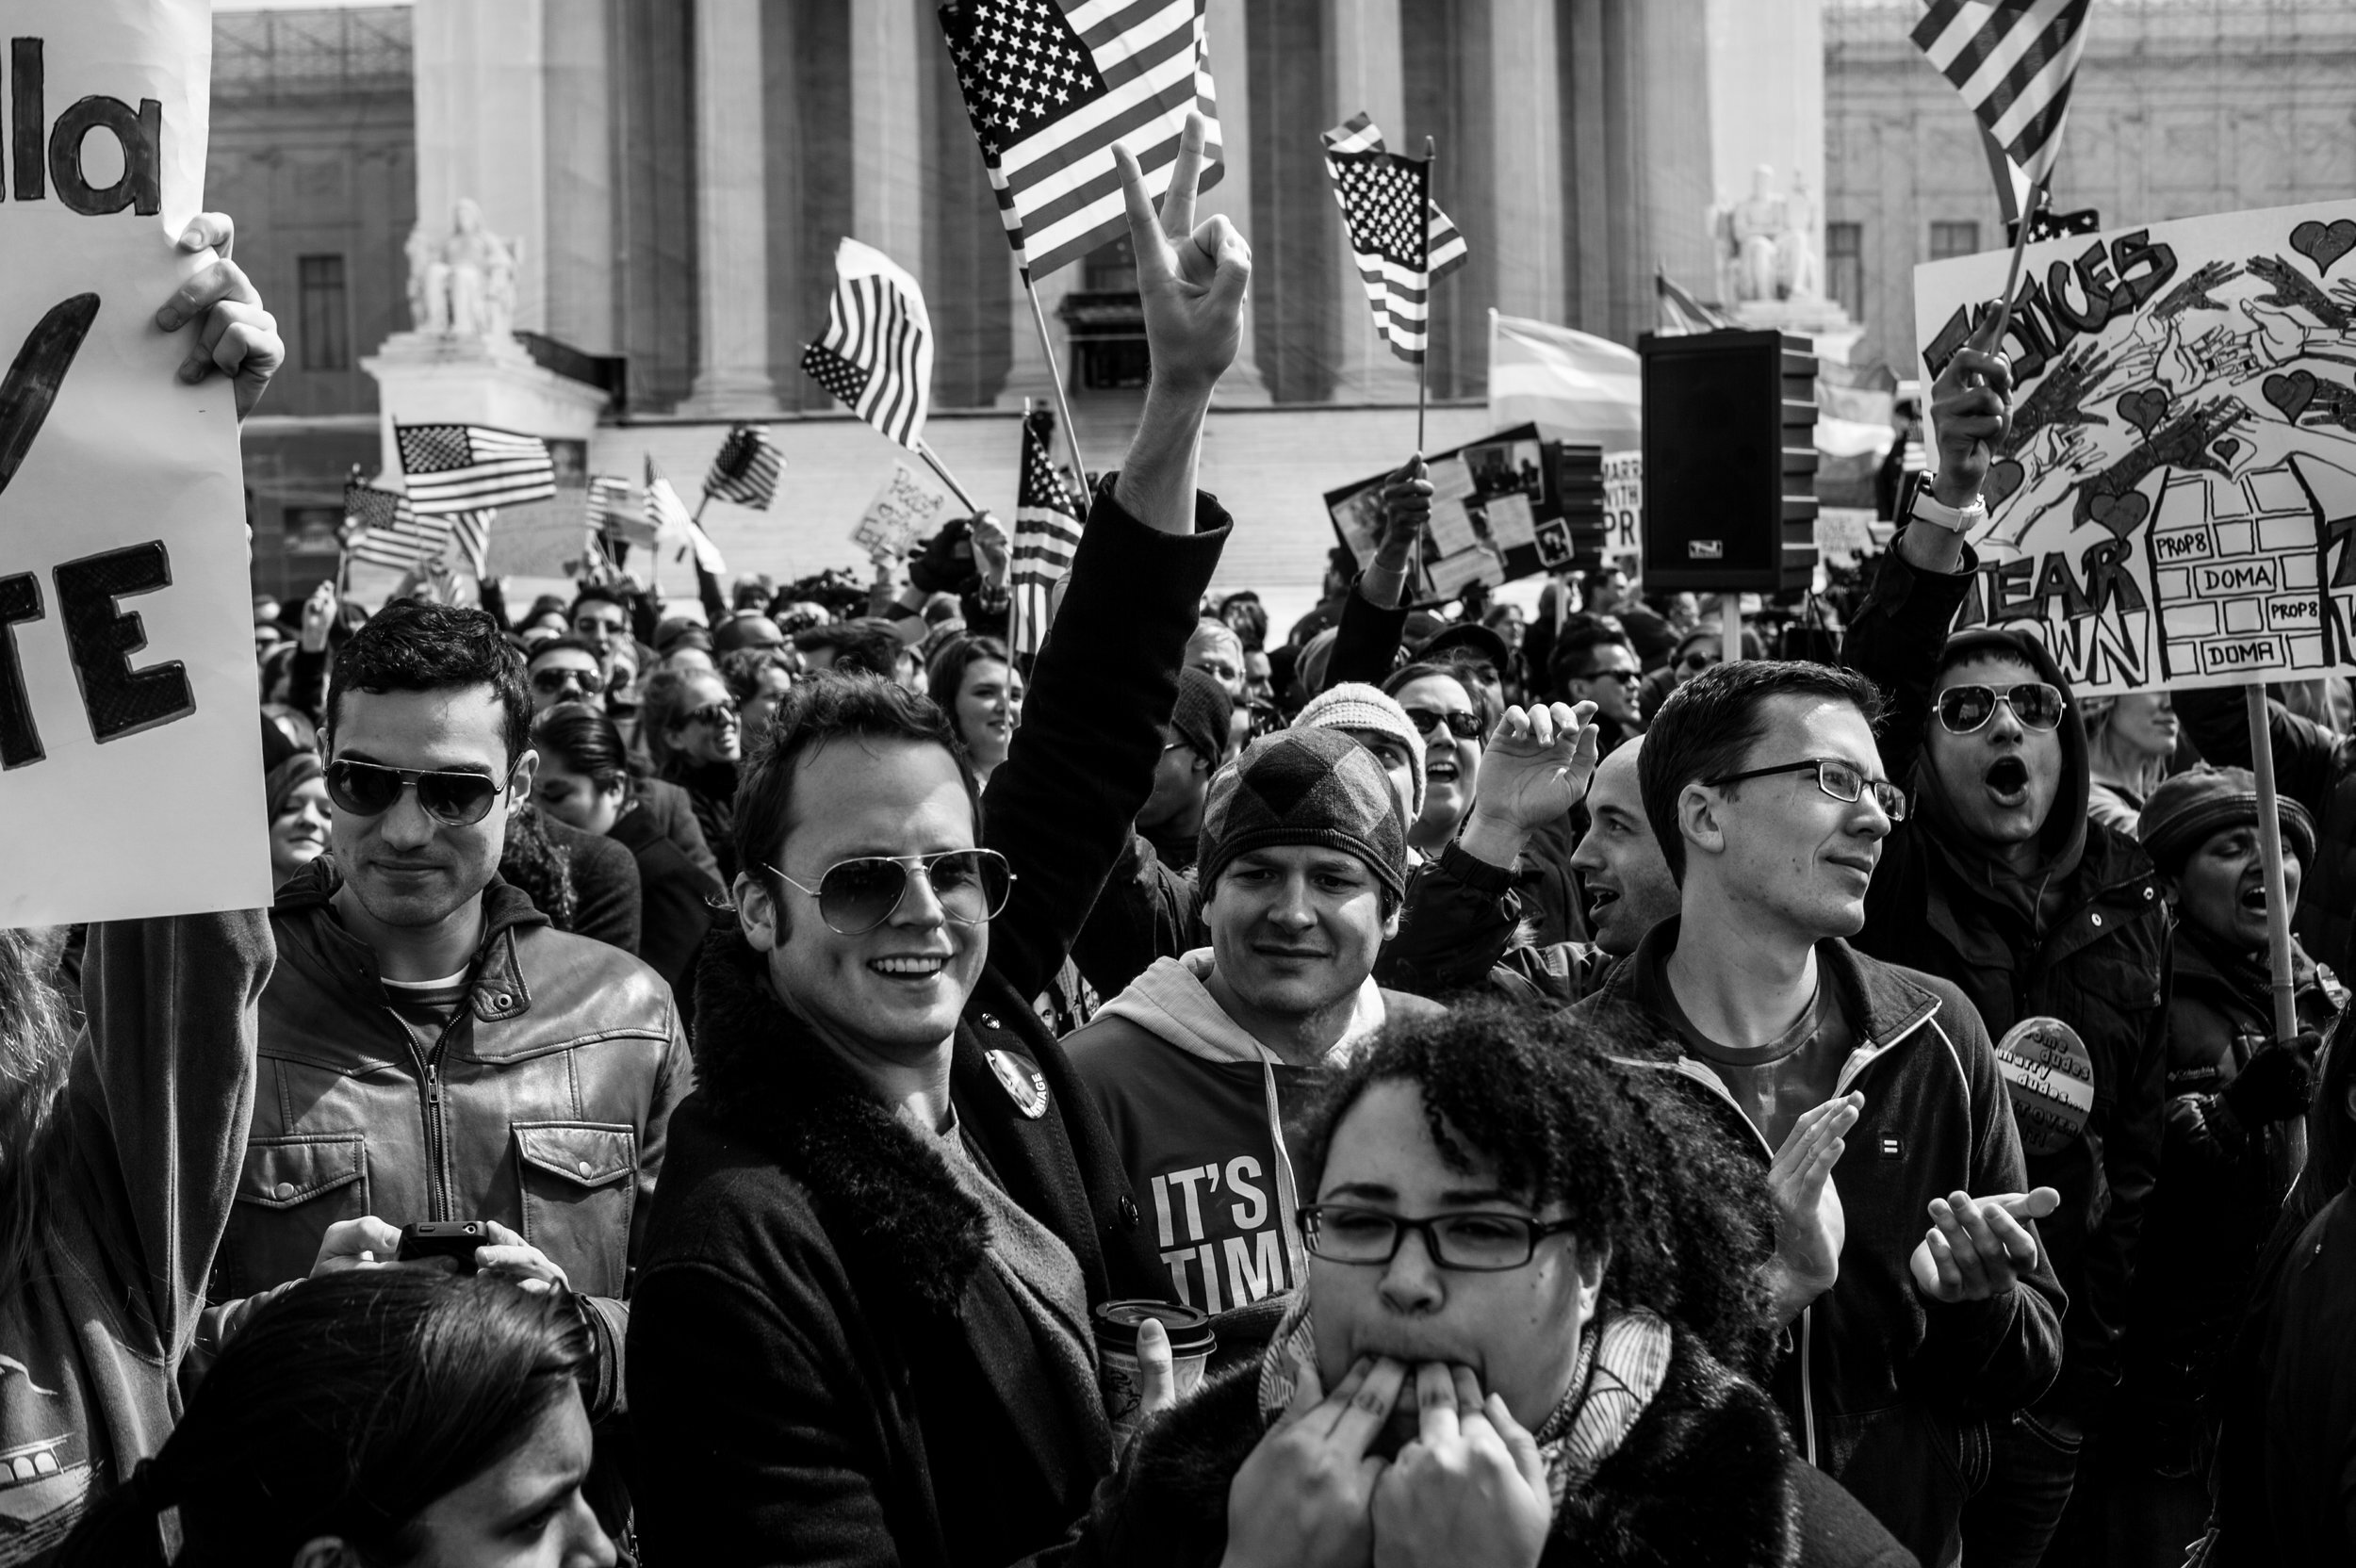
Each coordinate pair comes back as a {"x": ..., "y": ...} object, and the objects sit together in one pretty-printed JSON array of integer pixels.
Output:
[
  {"x": 482, "y": 128},
  {"x": 1027, "y": 376},
  {"x": 1368, "y": 75},
  {"x": 1231, "y": 74},
  {"x": 731, "y": 215},
  {"x": 1526, "y": 98},
  {"x": 888, "y": 126},
  {"x": 579, "y": 255}
]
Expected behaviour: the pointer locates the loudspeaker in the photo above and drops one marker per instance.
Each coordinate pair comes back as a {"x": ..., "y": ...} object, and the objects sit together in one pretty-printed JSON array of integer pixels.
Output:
[{"x": 1729, "y": 462}]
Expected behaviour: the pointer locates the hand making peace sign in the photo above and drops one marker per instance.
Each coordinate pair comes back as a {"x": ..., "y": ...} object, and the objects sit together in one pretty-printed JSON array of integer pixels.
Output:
[{"x": 1192, "y": 280}]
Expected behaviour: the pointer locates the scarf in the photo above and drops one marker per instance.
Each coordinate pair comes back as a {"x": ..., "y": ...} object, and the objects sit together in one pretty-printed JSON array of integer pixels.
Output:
[{"x": 1622, "y": 1362}]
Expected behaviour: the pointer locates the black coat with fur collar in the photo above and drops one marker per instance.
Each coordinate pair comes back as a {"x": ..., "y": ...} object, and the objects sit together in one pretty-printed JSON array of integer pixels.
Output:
[
  {"x": 1706, "y": 1479},
  {"x": 823, "y": 1367}
]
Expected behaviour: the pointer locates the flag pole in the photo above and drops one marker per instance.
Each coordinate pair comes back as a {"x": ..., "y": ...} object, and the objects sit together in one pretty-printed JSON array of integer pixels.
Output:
[
  {"x": 2288, "y": 1151},
  {"x": 923, "y": 450},
  {"x": 1055, "y": 379},
  {"x": 1423, "y": 361},
  {"x": 2029, "y": 205}
]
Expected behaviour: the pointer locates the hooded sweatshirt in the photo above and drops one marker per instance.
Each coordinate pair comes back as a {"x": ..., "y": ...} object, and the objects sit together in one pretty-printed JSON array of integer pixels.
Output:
[{"x": 1197, "y": 1107}]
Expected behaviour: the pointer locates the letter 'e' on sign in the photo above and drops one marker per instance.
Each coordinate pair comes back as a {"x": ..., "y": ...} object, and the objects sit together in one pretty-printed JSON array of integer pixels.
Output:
[{"x": 130, "y": 761}]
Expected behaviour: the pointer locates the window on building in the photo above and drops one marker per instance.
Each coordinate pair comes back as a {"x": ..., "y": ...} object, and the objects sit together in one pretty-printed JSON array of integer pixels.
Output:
[
  {"x": 325, "y": 321},
  {"x": 1949, "y": 240},
  {"x": 1107, "y": 320},
  {"x": 1844, "y": 267}
]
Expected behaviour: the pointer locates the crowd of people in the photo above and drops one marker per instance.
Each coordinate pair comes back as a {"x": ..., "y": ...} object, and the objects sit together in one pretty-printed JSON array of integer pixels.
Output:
[{"x": 794, "y": 1082}]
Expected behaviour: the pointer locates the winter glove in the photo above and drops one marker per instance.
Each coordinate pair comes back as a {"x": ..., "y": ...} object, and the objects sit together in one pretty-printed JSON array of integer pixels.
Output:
[{"x": 2276, "y": 1083}]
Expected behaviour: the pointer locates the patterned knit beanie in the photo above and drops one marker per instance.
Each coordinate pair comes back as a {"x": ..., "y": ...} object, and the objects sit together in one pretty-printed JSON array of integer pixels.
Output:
[
  {"x": 1354, "y": 705},
  {"x": 1305, "y": 787},
  {"x": 2186, "y": 810},
  {"x": 1202, "y": 714}
]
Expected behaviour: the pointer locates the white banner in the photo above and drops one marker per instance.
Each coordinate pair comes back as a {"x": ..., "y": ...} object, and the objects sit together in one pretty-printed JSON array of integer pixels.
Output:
[
  {"x": 130, "y": 756},
  {"x": 2174, "y": 502},
  {"x": 904, "y": 513},
  {"x": 1624, "y": 509}
]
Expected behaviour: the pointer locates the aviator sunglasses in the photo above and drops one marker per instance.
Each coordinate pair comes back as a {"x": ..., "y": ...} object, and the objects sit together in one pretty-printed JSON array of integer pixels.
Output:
[
  {"x": 1965, "y": 708},
  {"x": 369, "y": 789},
  {"x": 856, "y": 895}
]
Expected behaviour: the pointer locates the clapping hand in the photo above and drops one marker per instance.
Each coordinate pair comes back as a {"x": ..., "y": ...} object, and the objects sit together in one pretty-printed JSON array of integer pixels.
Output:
[
  {"x": 235, "y": 334},
  {"x": 1470, "y": 1491},
  {"x": 1977, "y": 1247},
  {"x": 1810, "y": 1225},
  {"x": 1191, "y": 280},
  {"x": 1304, "y": 1496}
]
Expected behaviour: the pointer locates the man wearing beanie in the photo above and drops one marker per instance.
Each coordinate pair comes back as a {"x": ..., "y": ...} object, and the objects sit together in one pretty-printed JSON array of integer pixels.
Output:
[
  {"x": 2232, "y": 1089},
  {"x": 1194, "y": 1067},
  {"x": 1194, "y": 743}
]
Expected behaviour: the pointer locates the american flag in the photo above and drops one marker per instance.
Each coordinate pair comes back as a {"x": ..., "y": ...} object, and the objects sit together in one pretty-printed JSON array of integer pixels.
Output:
[
  {"x": 877, "y": 357},
  {"x": 2013, "y": 60},
  {"x": 667, "y": 514},
  {"x": 472, "y": 532},
  {"x": 1046, "y": 532},
  {"x": 469, "y": 467},
  {"x": 1401, "y": 252},
  {"x": 746, "y": 468},
  {"x": 1051, "y": 85},
  {"x": 382, "y": 531},
  {"x": 616, "y": 512}
]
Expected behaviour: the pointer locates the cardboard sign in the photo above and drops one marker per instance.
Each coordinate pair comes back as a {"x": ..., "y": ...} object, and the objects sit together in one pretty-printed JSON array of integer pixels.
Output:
[
  {"x": 2174, "y": 503},
  {"x": 130, "y": 753},
  {"x": 1624, "y": 508},
  {"x": 1506, "y": 506},
  {"x": 906, "y": 511}
]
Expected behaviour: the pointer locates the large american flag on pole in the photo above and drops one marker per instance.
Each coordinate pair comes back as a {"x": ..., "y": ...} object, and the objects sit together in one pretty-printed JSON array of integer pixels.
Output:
[
  {"x": 1053, "y": 85},
  {"x": 876, "y": 357},
  {"x": 471, "y": 468},
  {"x": 1403, "y": 242},
  {"x": 2013, "y": 60},
  {"x": 381, "y": 529},
  {"x": 1046, "y": 534}
]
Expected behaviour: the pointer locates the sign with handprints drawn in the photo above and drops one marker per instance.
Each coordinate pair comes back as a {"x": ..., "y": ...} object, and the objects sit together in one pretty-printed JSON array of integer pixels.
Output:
[
  {"x": 130, "y": 759},
  {"x": 2175, "y": 501}
]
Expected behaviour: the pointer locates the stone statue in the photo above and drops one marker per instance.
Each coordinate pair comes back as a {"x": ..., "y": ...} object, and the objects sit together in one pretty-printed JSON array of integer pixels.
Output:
[
  {"x": 1764, "y": 250},
  {"x": 465, "y": 284}
]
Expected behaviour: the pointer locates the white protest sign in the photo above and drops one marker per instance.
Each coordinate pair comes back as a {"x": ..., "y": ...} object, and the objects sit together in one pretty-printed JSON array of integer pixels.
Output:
[
  {"x": 2174, "y": 503},
  {"x": 1624, "y": 506},
  {"x": 130, "y": 751},
  {"x": 903, "y": 513}
]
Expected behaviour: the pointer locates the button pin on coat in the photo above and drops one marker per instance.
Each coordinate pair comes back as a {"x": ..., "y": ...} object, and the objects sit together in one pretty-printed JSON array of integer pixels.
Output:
[{"x": 1024, "y": 1085}]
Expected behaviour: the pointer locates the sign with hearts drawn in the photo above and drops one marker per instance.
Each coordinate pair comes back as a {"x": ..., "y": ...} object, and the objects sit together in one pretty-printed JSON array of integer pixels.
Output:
[
  {"x": 2174, "y": 504},
  {"x": 129, "y": 755}
]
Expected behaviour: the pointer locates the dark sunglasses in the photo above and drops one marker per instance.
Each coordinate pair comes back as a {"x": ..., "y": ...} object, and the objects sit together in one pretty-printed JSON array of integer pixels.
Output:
[
  {"x": 1462, "y": 722},
  {"x": 369, "y": 789},
  {"x": 549, "y": 682},
  {"x": 1626, "y": 678},
  {"x": 856, "y": 897},
  {"x": 1697, "y": 661},
  {"x": 1965, "y": 708},
  {"x": 710, "y": 712}
]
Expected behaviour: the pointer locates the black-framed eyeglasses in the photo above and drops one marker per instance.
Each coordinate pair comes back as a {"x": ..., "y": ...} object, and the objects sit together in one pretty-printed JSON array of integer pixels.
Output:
[
  {"x": 856, "y": 895},
  {"x": 451, "y": 798},
  {"x": 1463, "y": 723},
  {"x": 1468, "y": 1243},
  {"x": 1965, "y": 708},
  {"x": 1843, "y": 781},
  {"x": 550, "y": 681}
]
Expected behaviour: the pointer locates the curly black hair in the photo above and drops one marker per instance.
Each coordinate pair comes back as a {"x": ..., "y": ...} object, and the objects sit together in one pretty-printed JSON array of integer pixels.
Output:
[{"x": 1539, "y": 1102}]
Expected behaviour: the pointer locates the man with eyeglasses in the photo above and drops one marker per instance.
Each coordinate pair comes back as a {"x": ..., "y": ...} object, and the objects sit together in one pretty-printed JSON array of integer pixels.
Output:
[
  {"x": 2053, "y": 924},
  {"x": 1763, "y": 784},
  {"x": 432, "y": 1048},
  {"x": 864, "y": 1332}
]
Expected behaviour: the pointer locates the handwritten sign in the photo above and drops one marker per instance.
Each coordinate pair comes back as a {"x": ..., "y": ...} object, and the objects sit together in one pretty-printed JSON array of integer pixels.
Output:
[
  {"x": 2174, "y": 503},
  {"x": 904, "y": 511},
  {"x": 1624, "y": 508},
  {"x": 130, "y": 757}
]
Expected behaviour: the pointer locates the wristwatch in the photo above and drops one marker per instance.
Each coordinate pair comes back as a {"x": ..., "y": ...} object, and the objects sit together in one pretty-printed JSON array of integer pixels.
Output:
[{"x": 1926, "y": 509}]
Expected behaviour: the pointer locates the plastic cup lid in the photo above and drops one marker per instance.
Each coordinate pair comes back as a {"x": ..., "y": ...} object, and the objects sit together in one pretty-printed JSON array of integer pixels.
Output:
[{"x": 1190, "y": 1328}]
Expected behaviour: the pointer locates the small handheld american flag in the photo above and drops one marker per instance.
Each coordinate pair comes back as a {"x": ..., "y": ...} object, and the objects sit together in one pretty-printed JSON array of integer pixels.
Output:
[
  {"x": 380, "y": 530},
  {"x": 1403, "y": 243},
  {"x": 876, "y": 357},
  {"x": 469, "y": 467},
  {"x": 1046, "y": 534},
  {"x": 2014, "y": 62},
  {"x": 667, "y": 514},
  {"x": 746, "y": 468}
]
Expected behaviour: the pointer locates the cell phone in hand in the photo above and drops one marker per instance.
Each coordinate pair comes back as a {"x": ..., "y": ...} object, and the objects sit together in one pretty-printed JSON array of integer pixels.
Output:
[{"x": 452, "y": 1241}]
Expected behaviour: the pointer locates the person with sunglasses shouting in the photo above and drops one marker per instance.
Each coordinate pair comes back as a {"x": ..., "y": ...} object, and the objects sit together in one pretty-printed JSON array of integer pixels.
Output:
[
  {"x": 2053, "y": 926},
  {"x": 865, "y": 1331}
]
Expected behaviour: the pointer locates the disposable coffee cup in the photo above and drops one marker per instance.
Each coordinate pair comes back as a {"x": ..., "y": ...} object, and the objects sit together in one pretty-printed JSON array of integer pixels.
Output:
[{"x": 1191, "y": 1342}]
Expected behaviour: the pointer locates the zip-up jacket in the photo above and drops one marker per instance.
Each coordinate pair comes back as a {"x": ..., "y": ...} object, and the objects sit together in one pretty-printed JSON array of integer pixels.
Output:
[
  {"x": 1936, "y": 1121},
  {"x": 2095, "y": 954}
]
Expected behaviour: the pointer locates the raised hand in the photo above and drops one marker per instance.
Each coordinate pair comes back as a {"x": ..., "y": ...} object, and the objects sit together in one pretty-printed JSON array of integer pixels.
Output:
[
  {"x": 1304, "y": 1496},
  {"x": 1537, "y": 764},
  {"x": 1810, "y": 1225},
  {"x": 1970, "y": 407},
  {"x": 1191, "y": 280},
  {"x": 319, "y": 615},
  {"x": 234, "y": 336},
  {"x": 1470, "y": 1491},
  {"x": 1406, "y": 508},
  {"x": 1977, "y": 1247}
]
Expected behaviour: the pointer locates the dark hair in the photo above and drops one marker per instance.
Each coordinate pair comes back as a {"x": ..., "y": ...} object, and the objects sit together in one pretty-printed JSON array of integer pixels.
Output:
[
  {"x": 552, "y": 644},
  {"x": 660, "y": 708},
  {"x": 1458, "y": 670},
  {"x": 742, "y": 668},
  {"x": 857, "y": 647},
  {"x": 945, "y": 674},
  {"x": 1706, "y": 727},
  {"x": 1540, "y": 1097},
  {"x": 1251, "y": 619},
  {"x": 1594, "y": 577},
  {"x": 2330, "y": 1136},
  {"x": 584, "y": 741},
  {"x": 346, "y": 1408},
  {"x": 823, "y": 708},
  {"x": 407, "y": 646},
  {"x": 1581, "y": 635},
  {"x": 597, "y": 593},
  {"x": 277, "y": 666}
]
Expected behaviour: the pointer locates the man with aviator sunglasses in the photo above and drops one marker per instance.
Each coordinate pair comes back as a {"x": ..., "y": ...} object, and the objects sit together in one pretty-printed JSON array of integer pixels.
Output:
[{"x": 2053, "y": 926}]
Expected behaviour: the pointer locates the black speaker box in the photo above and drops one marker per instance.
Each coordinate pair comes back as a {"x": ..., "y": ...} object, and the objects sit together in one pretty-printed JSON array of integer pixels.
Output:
[{"x": 1729, "y": 462}]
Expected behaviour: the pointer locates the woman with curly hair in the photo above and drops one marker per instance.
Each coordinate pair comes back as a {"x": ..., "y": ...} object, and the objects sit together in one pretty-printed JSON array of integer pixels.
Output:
[{"x": 1533, "y": 1305}]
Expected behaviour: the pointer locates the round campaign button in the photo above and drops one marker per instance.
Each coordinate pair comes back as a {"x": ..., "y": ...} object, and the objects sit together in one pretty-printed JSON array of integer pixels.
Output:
[
  {"x": 2049, "y": 1075},
  {"x": 1024, "y": 1085}
]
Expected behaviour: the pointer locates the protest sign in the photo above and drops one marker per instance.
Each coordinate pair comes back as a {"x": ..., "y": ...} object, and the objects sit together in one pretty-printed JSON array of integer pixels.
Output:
[
  {"x": 904, "y": 513},
  {"x": 2174, "y": 502},
  {"x": 1506, "y": 506},
  {"x": 1624, "y": 509},
  {"x": 130, "y": 761}
]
